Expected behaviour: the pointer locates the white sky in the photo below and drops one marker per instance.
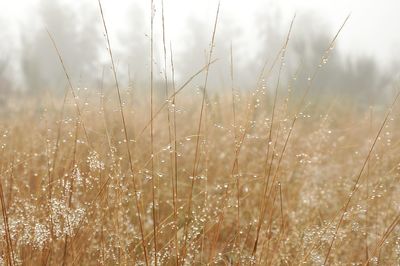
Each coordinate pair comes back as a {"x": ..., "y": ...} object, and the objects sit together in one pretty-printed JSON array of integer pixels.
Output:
[{"x": 372, "y": 29}]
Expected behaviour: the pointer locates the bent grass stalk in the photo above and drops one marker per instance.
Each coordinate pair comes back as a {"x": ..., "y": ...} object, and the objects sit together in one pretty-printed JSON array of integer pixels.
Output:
[
  {"x": 263, "y": 205},
  {"x": 78, "y": 109},
  {"x": 195, "y": 162},
  {"x": 135, "y": 186},
  {"x": 180, "y": 89}
]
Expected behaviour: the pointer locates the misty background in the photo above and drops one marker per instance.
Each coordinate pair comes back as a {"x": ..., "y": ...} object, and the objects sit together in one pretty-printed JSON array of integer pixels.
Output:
[{"x": 29, "y": 63}]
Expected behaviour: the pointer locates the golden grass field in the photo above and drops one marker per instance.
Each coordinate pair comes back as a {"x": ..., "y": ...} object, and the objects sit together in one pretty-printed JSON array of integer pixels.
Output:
[{"x": 188, "y": 176}]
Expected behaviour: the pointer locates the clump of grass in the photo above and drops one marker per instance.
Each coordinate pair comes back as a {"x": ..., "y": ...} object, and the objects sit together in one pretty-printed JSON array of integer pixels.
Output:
[{"x": 242, "y": 177}]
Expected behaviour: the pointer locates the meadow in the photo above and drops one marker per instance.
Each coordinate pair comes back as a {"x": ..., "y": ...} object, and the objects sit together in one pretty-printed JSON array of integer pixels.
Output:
[{"x": 179, "y": 174}]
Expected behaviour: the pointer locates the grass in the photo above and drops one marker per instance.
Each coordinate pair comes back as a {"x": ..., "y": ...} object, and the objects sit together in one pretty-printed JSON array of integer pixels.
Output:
[{"x": 262, "y": 177}]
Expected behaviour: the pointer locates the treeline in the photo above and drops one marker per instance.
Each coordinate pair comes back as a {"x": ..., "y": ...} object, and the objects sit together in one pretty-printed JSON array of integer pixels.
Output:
[{"x": 34, "y": 66}]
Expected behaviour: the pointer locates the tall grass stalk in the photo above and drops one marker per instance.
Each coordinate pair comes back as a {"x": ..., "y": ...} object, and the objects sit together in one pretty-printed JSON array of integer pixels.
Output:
[{"x": 135, "y": 186}]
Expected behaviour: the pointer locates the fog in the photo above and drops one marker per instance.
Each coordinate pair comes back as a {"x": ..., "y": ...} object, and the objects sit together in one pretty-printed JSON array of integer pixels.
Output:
[{"x": 29, "y": 62}]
